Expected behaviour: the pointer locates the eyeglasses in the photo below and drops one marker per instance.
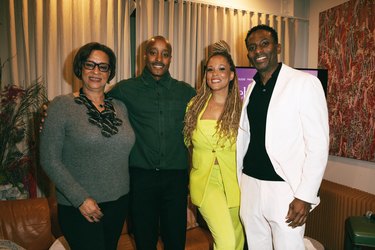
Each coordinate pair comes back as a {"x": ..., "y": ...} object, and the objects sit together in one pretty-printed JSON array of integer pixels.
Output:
[{"x": 103, "y": 67}]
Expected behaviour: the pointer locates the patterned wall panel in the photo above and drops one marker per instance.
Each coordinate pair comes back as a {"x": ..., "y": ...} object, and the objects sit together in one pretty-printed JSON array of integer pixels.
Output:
[{"x": 347, "y": 50}]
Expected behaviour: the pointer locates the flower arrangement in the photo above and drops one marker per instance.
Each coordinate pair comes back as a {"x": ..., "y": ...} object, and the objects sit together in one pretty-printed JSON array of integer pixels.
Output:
[{"x": 18, "y": 111}]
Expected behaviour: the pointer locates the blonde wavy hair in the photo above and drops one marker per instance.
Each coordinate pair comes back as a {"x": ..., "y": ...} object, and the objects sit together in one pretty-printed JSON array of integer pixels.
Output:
[{"x": 228, "y": 122}]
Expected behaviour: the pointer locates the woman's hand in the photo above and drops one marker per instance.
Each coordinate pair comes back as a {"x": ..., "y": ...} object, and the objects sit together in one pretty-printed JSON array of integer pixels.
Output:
[{"x": 90, "y": 210}]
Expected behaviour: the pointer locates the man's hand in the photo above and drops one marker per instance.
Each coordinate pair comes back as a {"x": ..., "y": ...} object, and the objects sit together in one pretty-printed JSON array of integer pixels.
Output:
[
  {"x": 90, "y": 210},
  {"x": 297, "y": 214},
  {"x": 43, "y": 115}
]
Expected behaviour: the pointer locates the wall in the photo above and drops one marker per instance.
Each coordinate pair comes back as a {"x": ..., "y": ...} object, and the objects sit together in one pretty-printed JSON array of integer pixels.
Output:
[
  {"x": 349, "y": 172},
  {"x": 352, "y": 173}
]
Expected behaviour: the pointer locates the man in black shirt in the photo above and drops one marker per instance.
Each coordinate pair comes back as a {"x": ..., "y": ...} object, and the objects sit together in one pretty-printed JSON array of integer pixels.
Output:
[
  {"x": 282, "y": 147},
  {"x": 158, "y": 162}
]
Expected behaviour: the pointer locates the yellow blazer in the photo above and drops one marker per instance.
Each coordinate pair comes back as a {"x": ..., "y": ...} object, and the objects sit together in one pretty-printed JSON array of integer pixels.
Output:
[{"x": 205, "y": 150}]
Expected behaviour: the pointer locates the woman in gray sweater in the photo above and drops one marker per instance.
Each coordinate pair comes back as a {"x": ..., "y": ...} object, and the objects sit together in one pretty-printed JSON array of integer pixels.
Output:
[{"x": 84, "y": 149}]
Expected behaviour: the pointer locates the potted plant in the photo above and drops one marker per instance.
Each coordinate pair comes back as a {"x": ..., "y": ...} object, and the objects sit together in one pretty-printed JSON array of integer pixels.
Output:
[{"x": 18, "y": 111}]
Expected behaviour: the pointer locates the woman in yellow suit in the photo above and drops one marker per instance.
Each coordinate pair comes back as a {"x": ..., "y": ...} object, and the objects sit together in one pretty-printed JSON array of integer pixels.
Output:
[{"x": 211, "y": 124}]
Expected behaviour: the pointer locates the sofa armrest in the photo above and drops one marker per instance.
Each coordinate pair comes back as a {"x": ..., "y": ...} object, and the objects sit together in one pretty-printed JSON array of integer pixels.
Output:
[{"x": 26, "y": 222}]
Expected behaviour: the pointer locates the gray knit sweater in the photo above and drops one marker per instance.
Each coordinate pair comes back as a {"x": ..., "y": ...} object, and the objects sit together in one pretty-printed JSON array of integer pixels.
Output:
[{"x": 79, "y": 159}]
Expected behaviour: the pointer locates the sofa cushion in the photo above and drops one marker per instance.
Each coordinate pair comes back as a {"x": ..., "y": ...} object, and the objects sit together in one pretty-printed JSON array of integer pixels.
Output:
[
  {"x": 198, "y": 239},
  {"x": 26, "y": 222},
  {"x": 126, "y": 242},
  {"x": 7, "y": 244},
  {"x": 60, "y": 244}
]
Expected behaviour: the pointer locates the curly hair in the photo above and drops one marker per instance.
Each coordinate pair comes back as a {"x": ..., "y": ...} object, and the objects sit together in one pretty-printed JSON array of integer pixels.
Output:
[{"x": 228, "y": 122}]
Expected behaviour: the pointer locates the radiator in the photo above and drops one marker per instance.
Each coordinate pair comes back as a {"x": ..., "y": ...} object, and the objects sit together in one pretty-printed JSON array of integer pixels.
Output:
[{"x": 326, "y": 223}]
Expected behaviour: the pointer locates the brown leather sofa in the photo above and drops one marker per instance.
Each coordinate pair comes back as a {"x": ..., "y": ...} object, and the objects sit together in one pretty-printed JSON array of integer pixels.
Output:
[
  {"x": 26, "y": 223},
  {"x": 32, "y": 224}
]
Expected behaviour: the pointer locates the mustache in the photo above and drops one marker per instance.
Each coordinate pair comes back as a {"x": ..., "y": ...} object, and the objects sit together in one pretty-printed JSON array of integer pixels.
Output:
[{"x": 158, "y": 64}]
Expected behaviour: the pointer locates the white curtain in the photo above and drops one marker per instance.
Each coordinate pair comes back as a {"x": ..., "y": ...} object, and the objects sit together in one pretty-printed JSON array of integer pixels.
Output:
[
  {"x": 41, "y": 37},
  {"x": 191, "y": 27}
]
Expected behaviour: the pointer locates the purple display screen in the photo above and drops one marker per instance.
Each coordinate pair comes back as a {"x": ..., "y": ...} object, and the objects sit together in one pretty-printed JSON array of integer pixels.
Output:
[{"x": 246, "y": 74}]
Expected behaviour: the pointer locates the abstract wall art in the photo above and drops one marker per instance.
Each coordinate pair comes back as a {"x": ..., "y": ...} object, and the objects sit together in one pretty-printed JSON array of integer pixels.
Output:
[{"x": 347, "y": 50}]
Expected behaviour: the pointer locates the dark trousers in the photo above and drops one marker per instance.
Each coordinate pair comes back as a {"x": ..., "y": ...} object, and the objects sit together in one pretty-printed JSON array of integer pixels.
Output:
[
  {"x": 103, "y": 235},
  {"x": 159, "y": 196}
]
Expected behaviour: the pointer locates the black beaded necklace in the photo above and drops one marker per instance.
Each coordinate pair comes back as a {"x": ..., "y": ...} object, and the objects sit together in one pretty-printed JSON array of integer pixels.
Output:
[{"x": 105, "y": 120}]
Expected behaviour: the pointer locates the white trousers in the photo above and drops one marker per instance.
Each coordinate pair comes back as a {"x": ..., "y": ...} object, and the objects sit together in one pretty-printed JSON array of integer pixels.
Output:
[{"x": 264, "y": 206}]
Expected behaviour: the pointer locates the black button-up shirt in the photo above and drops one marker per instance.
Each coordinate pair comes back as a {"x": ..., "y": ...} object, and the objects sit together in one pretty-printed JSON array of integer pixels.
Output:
[
  {"x": 257, "y": 162},
  {"x": 156, "y": 112}
]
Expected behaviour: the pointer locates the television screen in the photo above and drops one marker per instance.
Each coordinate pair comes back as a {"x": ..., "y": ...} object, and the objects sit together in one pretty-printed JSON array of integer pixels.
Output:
[{"x": 245, "y": 74}]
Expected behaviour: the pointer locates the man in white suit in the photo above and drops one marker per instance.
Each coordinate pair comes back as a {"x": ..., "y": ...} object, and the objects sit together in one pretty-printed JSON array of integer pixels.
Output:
[{"x": 282, "y": 147}]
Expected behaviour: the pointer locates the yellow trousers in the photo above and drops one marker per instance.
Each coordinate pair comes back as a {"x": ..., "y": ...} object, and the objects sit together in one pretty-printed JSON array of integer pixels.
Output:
[{"x": 223, "y": 222}]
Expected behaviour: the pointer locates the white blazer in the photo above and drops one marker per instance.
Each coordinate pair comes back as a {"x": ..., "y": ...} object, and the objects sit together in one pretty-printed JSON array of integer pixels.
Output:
[{"x": 297, "y": 132}]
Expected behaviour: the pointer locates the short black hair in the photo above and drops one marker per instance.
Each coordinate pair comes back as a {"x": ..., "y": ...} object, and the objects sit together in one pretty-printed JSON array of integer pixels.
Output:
[
  {"x": 262, "y": 27},
  {"x": 84, "y": 52}
]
